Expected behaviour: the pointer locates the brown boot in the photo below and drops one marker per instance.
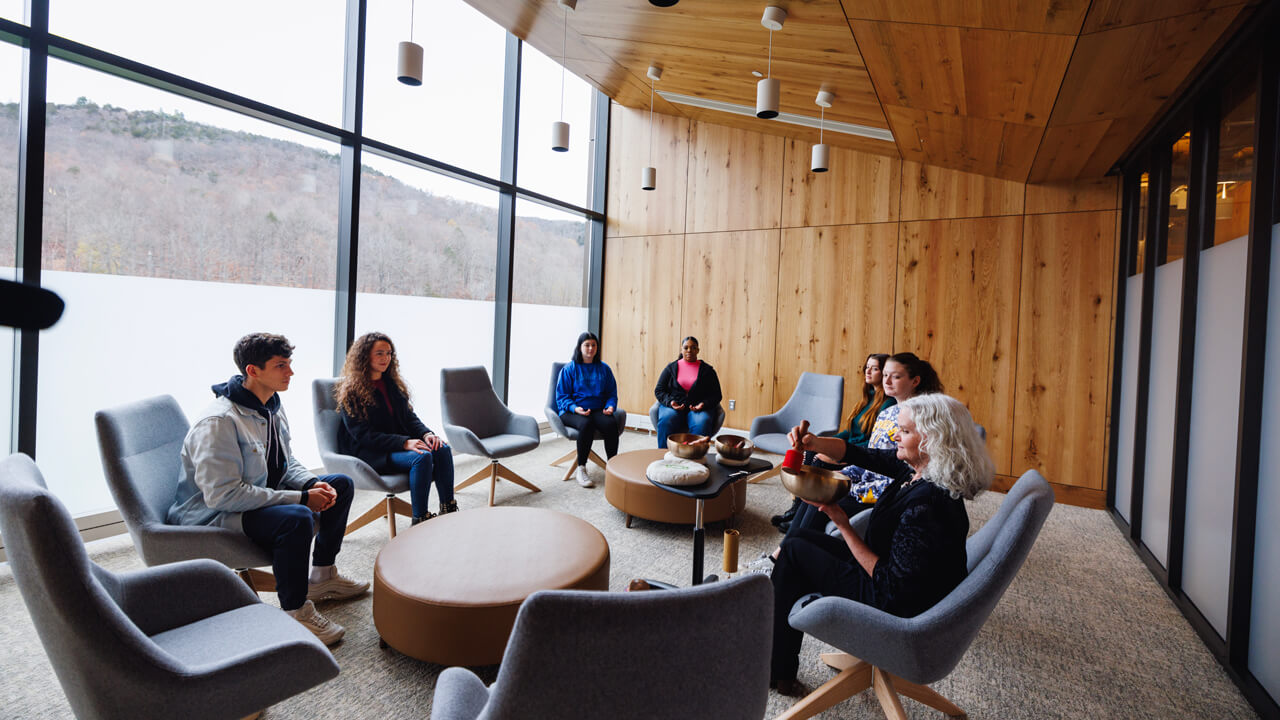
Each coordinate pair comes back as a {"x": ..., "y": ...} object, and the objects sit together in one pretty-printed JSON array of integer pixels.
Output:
[
  {"x": 449, "y": 507},
  {"x": 422, "y": 519}
]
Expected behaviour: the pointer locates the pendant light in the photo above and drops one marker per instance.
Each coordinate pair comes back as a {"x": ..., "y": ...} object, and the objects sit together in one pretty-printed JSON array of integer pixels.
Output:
[
  {"x": 767, "y": 89},
  {"x": 409, "y": 57},
  {"x": 821, "y": 160},
  {"x": 649, "y": 177},
  {"x": 560, "y": 128}
]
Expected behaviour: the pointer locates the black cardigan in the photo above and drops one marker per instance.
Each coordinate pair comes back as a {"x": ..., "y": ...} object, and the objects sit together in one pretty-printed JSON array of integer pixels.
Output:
[
  {"x": 705, "y": 389},
  {"x": 380, "y": 432},
  {"x": 918, "y": 533}
]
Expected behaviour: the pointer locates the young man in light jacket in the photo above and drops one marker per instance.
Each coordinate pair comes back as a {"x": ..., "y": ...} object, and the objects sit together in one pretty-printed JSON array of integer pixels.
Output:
[{"x": 239, "y": 473}]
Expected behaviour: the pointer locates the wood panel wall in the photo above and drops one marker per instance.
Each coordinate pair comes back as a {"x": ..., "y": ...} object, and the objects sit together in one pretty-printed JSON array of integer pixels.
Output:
[{"x": 1005, "y": 287}]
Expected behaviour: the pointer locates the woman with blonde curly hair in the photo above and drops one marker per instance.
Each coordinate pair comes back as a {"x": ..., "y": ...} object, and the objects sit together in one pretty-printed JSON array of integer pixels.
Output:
[
  {"x": 913, "y": 553},
  {"x": 380, "y": 427}
]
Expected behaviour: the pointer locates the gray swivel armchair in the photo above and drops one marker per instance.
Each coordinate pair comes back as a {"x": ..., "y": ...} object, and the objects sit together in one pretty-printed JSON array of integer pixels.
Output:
[
  {"x": 182, "y": 640},
  {"x": 476, "y": 422},
  {"x": 697, "y": 652},
  {"x": 901, "y": 655},
  {"x": 328, "y": 425},
  {"x": 817, "y": 398},
  {"x": 569, "y": 433},
  {"x": 141, "y": 445}
]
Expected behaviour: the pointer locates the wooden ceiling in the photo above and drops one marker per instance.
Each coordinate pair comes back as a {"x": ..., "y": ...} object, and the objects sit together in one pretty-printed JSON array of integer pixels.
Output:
[{"x": 1034, "y": 90}]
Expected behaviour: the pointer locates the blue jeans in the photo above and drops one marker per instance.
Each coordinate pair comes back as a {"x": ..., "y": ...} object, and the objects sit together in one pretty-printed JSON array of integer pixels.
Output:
[
  {"x": 286, "y": 530},
  {"x": 426, "y": 469},
  {"x": 672, "y": 421}
]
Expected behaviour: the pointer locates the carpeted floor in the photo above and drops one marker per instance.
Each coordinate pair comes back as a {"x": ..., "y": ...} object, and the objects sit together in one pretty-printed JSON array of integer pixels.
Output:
[{"x": 1083, "y": 632}]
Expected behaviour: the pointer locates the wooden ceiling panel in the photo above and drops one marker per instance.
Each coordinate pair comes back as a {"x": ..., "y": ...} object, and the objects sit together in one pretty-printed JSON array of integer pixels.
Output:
[
  {"x": 1084, "y": 150},
  {"x": 988, "y": 147},
  {"x": 1108, "y": 14},
  {"x": 1135, "y": 70},
  {"x": 718, "y": 75},
  {"x": 1046, "y": 16},
  {"x": 993, "y": 74}
]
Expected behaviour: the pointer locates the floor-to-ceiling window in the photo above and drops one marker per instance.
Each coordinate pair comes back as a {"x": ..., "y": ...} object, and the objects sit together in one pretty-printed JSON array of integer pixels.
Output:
[{"x": 196, "y": 186}]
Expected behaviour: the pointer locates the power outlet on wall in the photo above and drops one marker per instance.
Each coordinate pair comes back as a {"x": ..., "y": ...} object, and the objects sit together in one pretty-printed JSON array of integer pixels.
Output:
[{"x": 732, "y": 403}]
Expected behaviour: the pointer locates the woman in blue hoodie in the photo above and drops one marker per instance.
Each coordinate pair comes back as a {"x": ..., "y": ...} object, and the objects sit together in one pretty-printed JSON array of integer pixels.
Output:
[{"x": 586, "y": 396}]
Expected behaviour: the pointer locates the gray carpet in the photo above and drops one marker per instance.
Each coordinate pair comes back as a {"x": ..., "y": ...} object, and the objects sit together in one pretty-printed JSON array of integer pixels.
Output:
[{"x": 1084, "y": 631}]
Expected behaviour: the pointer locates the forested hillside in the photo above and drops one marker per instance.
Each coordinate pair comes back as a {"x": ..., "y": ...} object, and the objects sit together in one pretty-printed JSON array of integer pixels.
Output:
[{"x": 152, "y": 194}]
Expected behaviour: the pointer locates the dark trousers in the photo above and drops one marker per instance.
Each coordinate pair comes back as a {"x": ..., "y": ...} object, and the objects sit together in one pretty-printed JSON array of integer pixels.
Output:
[
  {"x": 286, "y": 530},
  {"x": 426, "y": 469},
  {"x": 587, "y": 427},
  {"x": 810, "y": 562},
  {"x": 809, "y": 517}
]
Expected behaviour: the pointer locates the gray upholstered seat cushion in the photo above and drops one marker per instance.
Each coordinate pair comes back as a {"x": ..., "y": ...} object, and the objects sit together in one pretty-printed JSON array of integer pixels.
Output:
[
  {"x": 772, "y": 442},
  {"x": 506, "y": 445}
]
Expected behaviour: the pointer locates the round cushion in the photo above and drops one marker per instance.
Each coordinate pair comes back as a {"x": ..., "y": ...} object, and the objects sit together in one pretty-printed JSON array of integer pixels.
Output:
[
  {"x": 627, "y": 488},
  {"x": 447, "y": 591},
  {"x": 677, "y": 471}
]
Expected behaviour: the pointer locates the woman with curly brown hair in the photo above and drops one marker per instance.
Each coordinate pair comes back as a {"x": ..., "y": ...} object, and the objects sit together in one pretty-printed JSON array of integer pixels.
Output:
[{"x": 380, "y": 427}]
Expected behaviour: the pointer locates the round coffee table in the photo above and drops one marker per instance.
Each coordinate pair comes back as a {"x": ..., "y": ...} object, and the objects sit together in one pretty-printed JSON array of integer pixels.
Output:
[
  {"x": 447, "y": 591},
  {"x": 627, "y": 488}
]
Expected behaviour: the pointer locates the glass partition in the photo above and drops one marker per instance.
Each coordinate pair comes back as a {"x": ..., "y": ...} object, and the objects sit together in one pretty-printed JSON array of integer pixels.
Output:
[
  {"x": 427, "y": 272},
  {"x": 169, "y": 238},
  {"x": 548, "y": 300},
  {"x": 1143, "y": 191},
  {"x": 1234, "y": 189},
  {"x": 285, "y": 53},
  {"x": 1179, "y": 190}
]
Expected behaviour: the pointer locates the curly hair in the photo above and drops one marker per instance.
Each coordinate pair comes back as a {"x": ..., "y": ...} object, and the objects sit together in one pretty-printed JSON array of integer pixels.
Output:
[
  {"x": 958, "y": 458},
  {"x": 872, "y": 395},
  {"x": 355, "y": 394}
]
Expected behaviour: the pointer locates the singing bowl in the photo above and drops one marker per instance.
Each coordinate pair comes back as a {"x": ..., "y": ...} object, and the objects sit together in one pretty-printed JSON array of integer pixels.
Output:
[
  {"x": 679, "y": 446},
  {"x": 734, "y": 447},
  {"x": 815, "y": 484}
]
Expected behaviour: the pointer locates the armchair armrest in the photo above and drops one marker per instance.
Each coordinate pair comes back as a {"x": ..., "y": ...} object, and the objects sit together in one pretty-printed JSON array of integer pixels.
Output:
[
  {"x": 463, "y": 440},
  {"x": 764, "y": 425},
  {"x": 168, "y": 596},
  {"x": 460, "y": 695},
  {"x": 522, "y": 425}
]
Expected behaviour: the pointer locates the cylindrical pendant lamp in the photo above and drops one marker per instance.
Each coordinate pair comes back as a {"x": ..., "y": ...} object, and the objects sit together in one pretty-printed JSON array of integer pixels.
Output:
[
  {"x": 767, "y": 98},
  {"x": 560, "y": 136},
  {"x": 649, "y": 178},
  {"x": 821, "y": 160},
  {"x": 409, "y": 63}
]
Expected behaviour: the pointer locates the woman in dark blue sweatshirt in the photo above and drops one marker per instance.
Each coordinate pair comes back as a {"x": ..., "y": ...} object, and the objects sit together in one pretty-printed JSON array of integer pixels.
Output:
[{"x": 586, "y": 396}]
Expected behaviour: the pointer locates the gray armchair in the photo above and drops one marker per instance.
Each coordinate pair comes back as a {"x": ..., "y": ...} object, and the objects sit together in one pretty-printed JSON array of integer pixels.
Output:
[
  {"x": 817, "y": 398},
  {"x": 901, "y": 655},
  {"x": 328, "y": 425},
  {"x": 476, "y": 422},
  {"x": 181, "y": 640},
  {"x": 696, "y": 652},
  {"x": 569, "y": 433},
  {"x": 141, "y": 445}
]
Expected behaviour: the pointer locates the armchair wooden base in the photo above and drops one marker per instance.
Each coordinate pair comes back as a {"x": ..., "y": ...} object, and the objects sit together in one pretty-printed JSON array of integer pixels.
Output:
[
  {"x": 258, "y": 581},
  {"x": 761, "y": 477},
  {"x": 388, "y": 508},
  {"x": 573, "y": 455},
  {"x": 493, "y": 472},
  {"x": 857, "y": 675}
]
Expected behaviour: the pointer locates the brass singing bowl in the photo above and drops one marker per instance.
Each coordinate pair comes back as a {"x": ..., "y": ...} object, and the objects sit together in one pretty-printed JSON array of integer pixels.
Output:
[
  {"x": 734, "y": 447},
  {"x": 679, "y": 446},
  {"x": 815, "y": 484}
]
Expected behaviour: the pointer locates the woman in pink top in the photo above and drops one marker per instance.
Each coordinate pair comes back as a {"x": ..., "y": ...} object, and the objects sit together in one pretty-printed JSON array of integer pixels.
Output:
[{"x": 688, "y": 394}]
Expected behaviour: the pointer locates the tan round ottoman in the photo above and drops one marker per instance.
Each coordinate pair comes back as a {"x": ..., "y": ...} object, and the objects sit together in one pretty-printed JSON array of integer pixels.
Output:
[
  {"x": 447, "y": 591},
  {"x": 626, "y": 488}
]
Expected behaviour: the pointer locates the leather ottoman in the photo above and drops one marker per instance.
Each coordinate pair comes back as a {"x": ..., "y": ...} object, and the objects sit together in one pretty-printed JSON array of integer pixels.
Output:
[
  {"x": 447, "y": 591},
  {"x": 627, "y": 488}
]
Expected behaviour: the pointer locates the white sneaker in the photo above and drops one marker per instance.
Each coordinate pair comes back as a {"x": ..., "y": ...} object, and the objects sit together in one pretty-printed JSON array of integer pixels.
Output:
[
  {"x": 336, "y": 587},
  {"x": 762, "y": 565},
  {"x": 328, "y": 631},
  {"x": 583, "y": 479}
]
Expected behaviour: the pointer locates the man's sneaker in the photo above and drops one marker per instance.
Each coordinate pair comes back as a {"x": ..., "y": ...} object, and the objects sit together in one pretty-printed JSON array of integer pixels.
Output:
[
  {"x": 583, "y": 479},
  {"x": 762, "y": 565},
  {"x": 328, "y": 631},
  {"x": 336, "y": 588}
]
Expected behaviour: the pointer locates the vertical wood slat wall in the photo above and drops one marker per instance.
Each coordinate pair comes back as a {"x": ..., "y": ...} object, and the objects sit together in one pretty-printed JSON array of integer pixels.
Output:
[{"x": 1006, "y": 288}]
